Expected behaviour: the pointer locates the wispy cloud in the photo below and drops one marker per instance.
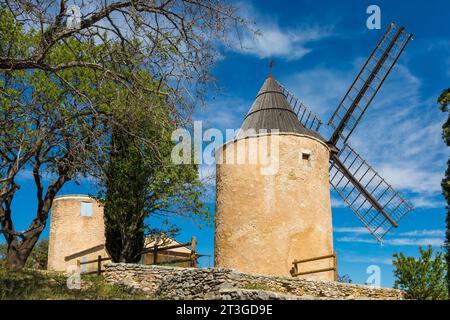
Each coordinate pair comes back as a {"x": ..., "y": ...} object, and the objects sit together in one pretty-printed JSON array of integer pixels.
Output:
[
  {"x": 353, "y": 230},
  {"x": 436, "y": 242},
  {"x": 338, "y": 203},
  {"x": 273, "y": 40},
  {"x": 437, "y": 232},
  {"x": 223, "y": 113},
  {"x": 365, "y": 259},
  {"x": 434, "y": 237}
]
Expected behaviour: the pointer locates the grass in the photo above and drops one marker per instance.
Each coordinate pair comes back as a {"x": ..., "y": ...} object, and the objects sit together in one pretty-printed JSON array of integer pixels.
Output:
[{"x": 38, "y": 285}]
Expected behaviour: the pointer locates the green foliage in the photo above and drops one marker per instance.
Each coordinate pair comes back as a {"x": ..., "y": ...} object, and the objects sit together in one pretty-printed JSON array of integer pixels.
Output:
[
  {"x": 37, "y": 259},
  {"x": 34, "y": 285},
  {"x": 39, "y": 256},
  {"x": 141, "y": 181},
  {"x": 3, "y": 250},
  {"x": 55, "y": 122},
  {"x": 423, "y": 278},
  {"x": 444, "y": 101},
  {"x": 46, "y": 122},
  {"x": 62, "y": 89}
]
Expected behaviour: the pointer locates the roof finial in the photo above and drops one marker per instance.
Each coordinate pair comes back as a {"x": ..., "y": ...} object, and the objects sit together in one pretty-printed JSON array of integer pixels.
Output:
[{"x": 271, "y": 64}]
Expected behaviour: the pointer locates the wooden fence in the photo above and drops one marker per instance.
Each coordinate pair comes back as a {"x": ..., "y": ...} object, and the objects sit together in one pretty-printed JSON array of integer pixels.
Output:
[
  {"x": 295, "y": 272},
  {"x": 154, "y": 250},
  {"x": 99, "y": 261}
]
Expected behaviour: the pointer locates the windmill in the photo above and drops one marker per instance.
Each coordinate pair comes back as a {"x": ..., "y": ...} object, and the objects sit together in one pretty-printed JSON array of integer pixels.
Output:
[
  {"x": 372, "y": 199},
  {"x": 266, "y": 223}
]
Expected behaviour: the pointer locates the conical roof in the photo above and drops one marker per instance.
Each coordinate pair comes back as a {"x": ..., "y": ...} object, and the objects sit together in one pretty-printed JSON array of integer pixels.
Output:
[{"x": 271, "y": 110}]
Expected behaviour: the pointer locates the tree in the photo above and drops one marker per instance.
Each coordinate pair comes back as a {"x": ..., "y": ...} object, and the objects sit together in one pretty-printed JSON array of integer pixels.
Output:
[
  {"x": 140, "y": 183},
  {"x": 3, "y": 250},
  {"x": 45, "y": 130},
  {"x": 38, "y": 257},
  {"x": 59, "y": 81},
  {"x": 423, "y": 278},
  {"x": 444, "y": 100}
]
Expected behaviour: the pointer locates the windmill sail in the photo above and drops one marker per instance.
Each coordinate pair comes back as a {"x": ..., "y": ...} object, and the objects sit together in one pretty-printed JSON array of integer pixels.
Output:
[
  {"x": 367, "y": 83},
  {"x": 306, "y": 117},
  {"x": 372, "y": 199}
]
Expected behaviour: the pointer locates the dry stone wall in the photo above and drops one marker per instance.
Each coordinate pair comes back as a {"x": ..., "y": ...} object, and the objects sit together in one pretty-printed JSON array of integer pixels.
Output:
[{"x": 192, "y": 283}]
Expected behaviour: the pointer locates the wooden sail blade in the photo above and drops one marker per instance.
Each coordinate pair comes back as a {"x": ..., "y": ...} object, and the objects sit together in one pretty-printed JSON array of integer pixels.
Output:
[
  {"x": 372, "y": 199},
  {"x": 367, "y": 84},
  {"x": 306, "y": 117}
]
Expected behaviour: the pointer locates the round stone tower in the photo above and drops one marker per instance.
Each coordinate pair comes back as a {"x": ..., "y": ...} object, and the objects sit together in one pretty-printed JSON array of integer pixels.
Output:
[
  {"x": 272, "y": 193},
  {"x": 76, "y": 224}
]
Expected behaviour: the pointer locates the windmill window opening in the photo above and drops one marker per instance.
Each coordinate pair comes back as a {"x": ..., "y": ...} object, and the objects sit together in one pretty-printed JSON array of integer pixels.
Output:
[
  {"x": 86, "y": 209},
  {"x": 306, "y": 158}
]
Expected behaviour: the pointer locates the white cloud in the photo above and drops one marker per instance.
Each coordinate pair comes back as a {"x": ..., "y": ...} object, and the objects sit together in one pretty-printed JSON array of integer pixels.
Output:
[
  {"x": 319, "y": 88},
  {"x": 357, "y": 239},
  {"x": 436, "y": 232},
  {"x": 436, "y": 242},
  {"x": 354, "y": 230},
  {"x": 224, "y": 113},
  {"x": 364, "y": 259},
  {"x": 291, "y": 44},
  {"x": 338, "y": 203},
  {"x": 414, "y": 178},
  {"x": 273, "y": 40},
  {"x": 423, "y": 237}
]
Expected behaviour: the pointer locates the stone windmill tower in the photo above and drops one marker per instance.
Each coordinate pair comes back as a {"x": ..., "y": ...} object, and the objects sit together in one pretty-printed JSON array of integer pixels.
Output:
[{"x": 267, "y": 219}]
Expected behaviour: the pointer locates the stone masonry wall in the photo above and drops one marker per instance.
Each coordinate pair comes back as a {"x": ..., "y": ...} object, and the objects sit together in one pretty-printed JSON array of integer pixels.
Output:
[
  {"x": 218, "y": 283},
  {"x": 275, "y": 218}
]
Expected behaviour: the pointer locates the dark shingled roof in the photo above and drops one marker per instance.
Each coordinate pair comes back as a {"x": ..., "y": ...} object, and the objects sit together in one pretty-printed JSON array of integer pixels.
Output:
[{"x": 271, "y": 110}]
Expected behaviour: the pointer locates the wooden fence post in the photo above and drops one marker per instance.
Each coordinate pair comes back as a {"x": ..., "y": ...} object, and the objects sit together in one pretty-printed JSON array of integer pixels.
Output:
[
  {"x": 335, "y": 267},
  {"x": 193, "y": 254},
  {"x": 99, "y": 265},
  {"x": 155, "y": 254}
]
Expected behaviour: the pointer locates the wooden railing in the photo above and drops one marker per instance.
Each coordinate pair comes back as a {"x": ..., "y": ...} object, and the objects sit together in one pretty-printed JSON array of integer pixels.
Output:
[
  {"x": 85, "y": 252},
  {"x": 154, "y": 250},
  {"x": 295, "y": 272},
  {"x": 192, "y": 257},
  {"x": 99, "y": 261}
]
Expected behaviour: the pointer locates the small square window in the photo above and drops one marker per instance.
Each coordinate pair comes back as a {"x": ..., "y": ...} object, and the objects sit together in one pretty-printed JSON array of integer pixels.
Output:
[
  {"x": 306, "y": 157},
  {"x": 86, "y": 209}
]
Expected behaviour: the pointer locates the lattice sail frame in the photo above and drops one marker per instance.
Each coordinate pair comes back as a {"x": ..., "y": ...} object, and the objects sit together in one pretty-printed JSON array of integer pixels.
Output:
[
  {"x": 393, "y": 205},
  {"x": 367, "y": 84},
  {"x": 372, "y": 199},
  {"x": 306, "y": 117}
]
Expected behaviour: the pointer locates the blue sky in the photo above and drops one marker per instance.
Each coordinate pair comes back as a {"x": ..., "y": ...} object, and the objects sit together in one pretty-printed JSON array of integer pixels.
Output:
[{"x": 318, "y": 47}]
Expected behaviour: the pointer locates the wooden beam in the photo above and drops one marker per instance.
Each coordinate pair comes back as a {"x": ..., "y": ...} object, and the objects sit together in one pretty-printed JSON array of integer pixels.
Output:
[
  {"x": 314, "y": 259},
  {"x": 313, "y": 271},
  {"x": 84, "y": 252}
]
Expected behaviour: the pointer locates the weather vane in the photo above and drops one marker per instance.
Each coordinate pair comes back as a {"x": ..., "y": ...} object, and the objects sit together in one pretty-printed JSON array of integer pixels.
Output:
[{"x": 271, "y": 64}]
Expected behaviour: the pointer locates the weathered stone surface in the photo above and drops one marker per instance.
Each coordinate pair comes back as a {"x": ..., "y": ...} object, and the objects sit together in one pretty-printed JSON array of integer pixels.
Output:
[
  {"x": 70, "y": 232},
  {"x": 220, "y": 283},
  {"x": 265, "y": 220}
]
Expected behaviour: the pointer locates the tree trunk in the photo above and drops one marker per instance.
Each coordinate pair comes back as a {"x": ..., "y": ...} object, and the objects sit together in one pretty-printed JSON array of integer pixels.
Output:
[{"x": 18, "y": 252}]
